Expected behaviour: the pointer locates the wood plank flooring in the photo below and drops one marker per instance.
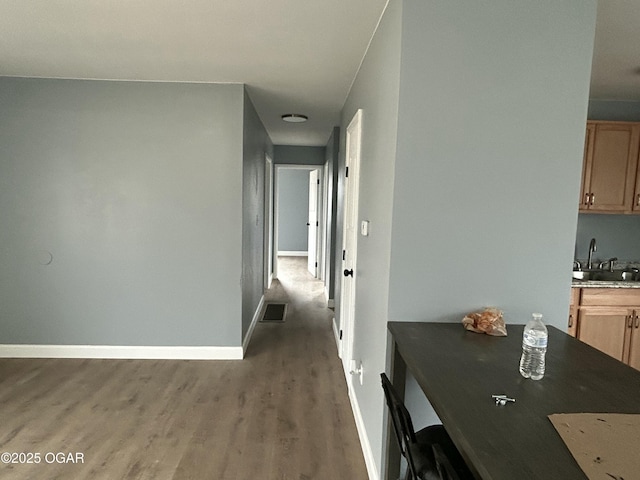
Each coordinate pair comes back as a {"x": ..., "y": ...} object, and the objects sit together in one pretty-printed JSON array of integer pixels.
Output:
[{"x": 282, "y": 413}]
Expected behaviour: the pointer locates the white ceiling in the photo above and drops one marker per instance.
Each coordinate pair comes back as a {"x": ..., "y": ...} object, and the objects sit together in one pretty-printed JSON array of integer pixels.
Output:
[{"x": 296, "y": 56}]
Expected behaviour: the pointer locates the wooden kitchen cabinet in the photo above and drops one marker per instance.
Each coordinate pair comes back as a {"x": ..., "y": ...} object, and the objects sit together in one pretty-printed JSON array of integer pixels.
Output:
[
  {"x": 604, "y": 329},
  {"x": 609, "y": 179},
  {"x": 609, "y": 320}
]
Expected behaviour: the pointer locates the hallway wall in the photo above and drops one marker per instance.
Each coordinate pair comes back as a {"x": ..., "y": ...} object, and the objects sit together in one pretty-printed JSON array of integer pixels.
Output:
[
  {"x": 376, "y": 92},
  {"x": 255, "y": 146}
]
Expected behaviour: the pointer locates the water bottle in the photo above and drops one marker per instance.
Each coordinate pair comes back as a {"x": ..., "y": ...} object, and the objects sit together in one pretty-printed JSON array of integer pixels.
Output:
[{"x": 534, "y": 348}]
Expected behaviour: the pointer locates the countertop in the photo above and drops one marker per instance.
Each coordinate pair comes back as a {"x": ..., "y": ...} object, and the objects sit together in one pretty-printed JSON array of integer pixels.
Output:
[{"x": 603, "y": 284}]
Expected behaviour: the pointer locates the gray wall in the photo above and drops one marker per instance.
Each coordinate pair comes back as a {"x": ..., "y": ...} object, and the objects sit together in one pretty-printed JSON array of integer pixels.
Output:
[
  {"x": 135, "y": 189},
  {"x": 490, "y": 144},
  {"x": 256, "y": 144},
  {"x": 616, "y": 236},
  {"x": 293, "y": 209},
  {"x": 375, "y": 91},
  {"x": 297, "y": 155},
  {"x": 618, "y": 110}
]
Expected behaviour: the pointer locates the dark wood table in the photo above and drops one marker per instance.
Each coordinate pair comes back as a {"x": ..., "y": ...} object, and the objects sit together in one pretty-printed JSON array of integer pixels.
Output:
[{"x": 458, "y": 372}]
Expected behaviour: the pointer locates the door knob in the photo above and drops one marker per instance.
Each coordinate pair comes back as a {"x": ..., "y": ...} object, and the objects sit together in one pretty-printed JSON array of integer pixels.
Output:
[{"x": 348, "y": 273}]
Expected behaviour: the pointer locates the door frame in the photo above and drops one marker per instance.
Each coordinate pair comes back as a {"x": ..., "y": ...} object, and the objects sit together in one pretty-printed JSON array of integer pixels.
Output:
[
  {"x": 269, "y": 192},
  {"x": 321, "y": 200},
  {"x": 349, "y": 258},
  {"x": 314, "y": 241}
]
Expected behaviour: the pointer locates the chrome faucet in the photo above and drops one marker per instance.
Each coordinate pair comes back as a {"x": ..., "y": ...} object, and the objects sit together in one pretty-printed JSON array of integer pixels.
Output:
[
  {"x": 611, "y": 261},
  {"x": 592, "y": 248}
]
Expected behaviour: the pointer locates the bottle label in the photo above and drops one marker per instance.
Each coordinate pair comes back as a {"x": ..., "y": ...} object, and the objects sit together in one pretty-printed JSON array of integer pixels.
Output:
[{"x": 535, "y": 339}]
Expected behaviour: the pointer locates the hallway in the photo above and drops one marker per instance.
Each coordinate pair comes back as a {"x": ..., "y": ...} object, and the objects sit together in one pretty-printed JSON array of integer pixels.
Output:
[{"x": 315, "y": 434}]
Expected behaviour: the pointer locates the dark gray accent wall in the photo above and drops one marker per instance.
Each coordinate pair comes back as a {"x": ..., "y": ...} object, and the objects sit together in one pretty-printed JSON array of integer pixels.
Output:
[
  {"x": 616, "y": 236},
  {"x": 256, "y": 144},
  {"x": 616, "y": 110},
  {"x": 298, "y": 155},
  {"x": 120, "y": 212},
  {"x": 293, "y": 209}
]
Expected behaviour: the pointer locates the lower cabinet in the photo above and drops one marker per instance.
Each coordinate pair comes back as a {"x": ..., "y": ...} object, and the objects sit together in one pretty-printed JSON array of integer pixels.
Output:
[{"x": 609, "y": 319}]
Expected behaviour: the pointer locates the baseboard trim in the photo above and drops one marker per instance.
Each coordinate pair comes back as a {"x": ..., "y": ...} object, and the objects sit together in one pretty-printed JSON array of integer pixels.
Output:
[
  {"x": 369, "y": 458},
  {"x": 288, "y": 253},
  {"x": 331, "y": 303},
  {"x": 121, "y": 352},
  {"x": 254, "y": 321}
]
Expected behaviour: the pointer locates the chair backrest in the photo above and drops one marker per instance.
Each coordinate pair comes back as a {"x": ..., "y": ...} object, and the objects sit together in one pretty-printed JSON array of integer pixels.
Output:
[{"x": 400, "y": 418}]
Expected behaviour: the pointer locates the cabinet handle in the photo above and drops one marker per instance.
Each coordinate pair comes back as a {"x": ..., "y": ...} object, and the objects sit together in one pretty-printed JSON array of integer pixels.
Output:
[
  {"x": 629, "y": 321},
  {"x": 570, "y": 321},
  {"x": 638, "y": 200},
  {"x": 593, "y": 198},
  {"x": 586, "y": 199},
  {"x": 637, "y": 322}
]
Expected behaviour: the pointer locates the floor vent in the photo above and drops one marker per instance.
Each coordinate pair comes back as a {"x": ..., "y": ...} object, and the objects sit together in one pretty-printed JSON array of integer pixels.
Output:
[{"x": 274, "y": 312}]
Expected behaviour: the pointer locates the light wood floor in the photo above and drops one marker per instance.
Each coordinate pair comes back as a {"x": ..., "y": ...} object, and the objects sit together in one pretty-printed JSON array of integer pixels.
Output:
[{"x": 282, "y": 413}]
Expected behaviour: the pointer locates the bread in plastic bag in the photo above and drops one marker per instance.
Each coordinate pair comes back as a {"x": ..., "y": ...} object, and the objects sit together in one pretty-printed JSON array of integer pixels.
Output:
[{"x": 488, "y": 321}]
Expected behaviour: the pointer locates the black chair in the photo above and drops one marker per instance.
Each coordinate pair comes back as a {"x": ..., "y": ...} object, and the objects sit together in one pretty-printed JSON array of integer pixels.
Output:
[
  {"x": 430, "y": 453},
  {"x": 445, "y": 469}
]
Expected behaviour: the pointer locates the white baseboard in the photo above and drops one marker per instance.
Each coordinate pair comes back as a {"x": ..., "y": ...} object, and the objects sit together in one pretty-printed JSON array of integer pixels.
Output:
[
  {"x": 121, "y": 352},
  {"x": 331, "y": 303},
  {"x": 369, "y": 458},
  {"x": 254, "y": 321},
  {"x": 288, "y": 253}
]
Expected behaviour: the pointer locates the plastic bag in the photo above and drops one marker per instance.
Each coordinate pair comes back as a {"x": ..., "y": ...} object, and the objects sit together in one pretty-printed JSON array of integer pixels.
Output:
[{"x": 488, "y": 321}]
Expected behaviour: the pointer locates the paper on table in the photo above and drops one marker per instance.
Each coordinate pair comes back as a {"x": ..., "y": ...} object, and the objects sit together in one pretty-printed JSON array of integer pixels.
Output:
[{"x": 605, "y": 445}]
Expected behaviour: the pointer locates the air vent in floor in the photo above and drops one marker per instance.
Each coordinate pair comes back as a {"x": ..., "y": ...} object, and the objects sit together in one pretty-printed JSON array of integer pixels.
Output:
[{"x": 274, "y": 312}]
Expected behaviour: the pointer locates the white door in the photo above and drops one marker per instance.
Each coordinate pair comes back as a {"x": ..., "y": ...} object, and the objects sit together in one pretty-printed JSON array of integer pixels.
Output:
[
  {"x": 350, "y": 238},
  {"x": 268, "y": 222},
  {"x": 312, "y": 223}
]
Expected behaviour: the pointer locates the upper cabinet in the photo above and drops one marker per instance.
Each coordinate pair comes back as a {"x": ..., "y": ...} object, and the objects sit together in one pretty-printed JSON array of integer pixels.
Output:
[{"x": 609, "y": 175}]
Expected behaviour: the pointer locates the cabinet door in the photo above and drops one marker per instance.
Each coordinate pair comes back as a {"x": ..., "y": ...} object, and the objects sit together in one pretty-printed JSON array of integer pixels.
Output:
[
  {"x": 611, "y": 173},
  {"x": 604, "y": 328},
  {"x": 634, "y": 343}
]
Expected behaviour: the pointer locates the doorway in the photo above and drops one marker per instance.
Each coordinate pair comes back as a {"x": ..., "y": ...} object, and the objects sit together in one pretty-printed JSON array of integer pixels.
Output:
[
  {"x": 269, "y": 222},
  {"x": 298, "y": 220},
  {"x": 350, "y": 239}
]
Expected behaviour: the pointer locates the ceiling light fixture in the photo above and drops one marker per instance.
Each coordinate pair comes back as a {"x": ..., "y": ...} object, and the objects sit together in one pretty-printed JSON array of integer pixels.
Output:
[{"x": 294, "y": 118}]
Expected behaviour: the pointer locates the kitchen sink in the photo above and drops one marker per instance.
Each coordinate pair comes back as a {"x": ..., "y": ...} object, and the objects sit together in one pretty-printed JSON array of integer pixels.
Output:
[{"x": 606, "y": 276}]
